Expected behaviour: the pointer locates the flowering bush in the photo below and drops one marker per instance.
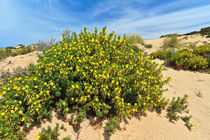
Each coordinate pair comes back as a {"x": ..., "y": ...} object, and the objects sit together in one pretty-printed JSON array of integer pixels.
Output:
[
  {"x": 202, "y": 50},
  {"x": 92, "y": 73},
  {"x": 187, "y": 59}
]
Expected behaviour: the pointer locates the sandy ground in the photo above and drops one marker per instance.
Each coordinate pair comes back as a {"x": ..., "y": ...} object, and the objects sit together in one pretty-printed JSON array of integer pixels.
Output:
[
  {"x": 22, "y": 61},
  {"x": 153, "y": 126}
]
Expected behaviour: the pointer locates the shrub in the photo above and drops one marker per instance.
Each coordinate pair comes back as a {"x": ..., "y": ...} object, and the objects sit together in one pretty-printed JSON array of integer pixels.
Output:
[
  {"x": 202, "y": 50},
  {"x": 148, "y": 46},
  {"x": 177, "y": 106},
  {"x": 186, "y": 59},
  {"x": 135, "y": 38},
  {"x": 92, "y": 73},
  {"x": 171, "y": 42},
  {"x": 17, "y": 72},
  {"x": 21, "y": 51},
  {"x": 4, "y": 53},
  {"x": 162, "y": 54}
]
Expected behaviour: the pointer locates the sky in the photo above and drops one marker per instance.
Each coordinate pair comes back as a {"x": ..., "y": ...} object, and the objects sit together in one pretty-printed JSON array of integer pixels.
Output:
[{"x": 27, "y": 21}]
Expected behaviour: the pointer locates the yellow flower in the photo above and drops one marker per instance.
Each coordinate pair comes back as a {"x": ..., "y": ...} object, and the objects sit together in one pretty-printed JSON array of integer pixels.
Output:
[
  {"x": 64, "y": 103},
  {"x": 12, "y": 111},
  {"x": 23, "y": 119},
  {"x": 38, "y": 137},
  {"x": 67, "y": 109},
  {"x": 2, "y": 114},
  {"x": 45, "y": 83},
  {"x": 35, "y": 79},
  {"x": 21, "y": 112},
  {"x": 51, "y": 83},
  {"x": 16, "y": 108}
]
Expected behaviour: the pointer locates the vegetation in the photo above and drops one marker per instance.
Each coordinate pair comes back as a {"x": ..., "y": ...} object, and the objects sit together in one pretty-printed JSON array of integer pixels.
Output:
[
  {"x": 176, "y": 106},
  {"x": 45, "y": 45},
  {"x": 50, "y": 134},
  {"x": 135, "y": 38},
  {"x": 203, "y": 31},
  {"x": 188, "y": 60},
  {"x": 92, "y": 73},
  {"x": 98, "y": 74},
  {"x": 163, "y": 55},
  {"x": 171, "y": 42},
  {"x": 4, "y": 53},
  {"x": 17, "y": 72},
  {"x": 148, "y": 46},
  {"x": 196, "y": 59}
]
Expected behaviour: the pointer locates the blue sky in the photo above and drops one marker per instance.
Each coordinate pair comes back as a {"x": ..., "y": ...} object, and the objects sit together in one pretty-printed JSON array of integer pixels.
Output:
[{"x": 27, "y": 21}]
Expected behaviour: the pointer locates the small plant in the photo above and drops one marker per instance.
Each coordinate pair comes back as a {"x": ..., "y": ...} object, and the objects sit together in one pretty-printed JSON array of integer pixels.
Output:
[
  {"x": 49, "y": 133},
  {"x": 135, "y": 38},
  {"x": 112, "y": 125},
  {"x": 177, "y": 106},
  {"x": 148, "y": 46},
  {"x": 171, "y": 42},
  {"x": 199, "y": 94},
  {"x": 66, "y": 138}
]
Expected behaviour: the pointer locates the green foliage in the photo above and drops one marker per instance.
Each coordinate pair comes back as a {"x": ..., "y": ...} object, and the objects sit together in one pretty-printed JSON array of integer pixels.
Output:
[
  {"x": 136, "y": 49},
  {"x": 135, "y": 38},
  {"x": 177, "y": 106},
  {"x": 205, "y": 31},
  {"x": 22, "y": 51},
  {"x": 148, "y": 46},
  {"x": 188, "y": 60},
  {"x": 112, "y": 125},
  {"x": 169, "y": 35},
  {"x": 17, "y": 72},
  {"x": 202, "y": 50},
  {"x": 171, "y": 42},
  {"x": 4, "y": 53},
  {"x": 49, "y": 133},
  {"x": 162, "y": 54},
  {"x": 90, "y": 73},
  {"x": 195, "y": 59}
]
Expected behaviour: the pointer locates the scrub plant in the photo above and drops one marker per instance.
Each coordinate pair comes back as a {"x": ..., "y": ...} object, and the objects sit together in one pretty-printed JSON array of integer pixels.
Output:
[
  {"x": 176, "y": 107},
  {"x": 93, "y": 73},
  {"x": 135, "y": 38},
  {"x": 50, "y": 134},
  {"x": 171, "y": 42}
]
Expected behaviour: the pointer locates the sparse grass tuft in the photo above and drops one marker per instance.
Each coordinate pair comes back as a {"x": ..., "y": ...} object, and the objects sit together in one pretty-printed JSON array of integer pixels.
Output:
[
  {"x": 135, "y": 38},
  {"x": 171, "y": 42}
]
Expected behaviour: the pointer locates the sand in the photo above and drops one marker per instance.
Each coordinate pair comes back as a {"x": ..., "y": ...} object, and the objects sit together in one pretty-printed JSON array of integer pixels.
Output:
[
  {"x": 22, "y": 61},
  {"x": 153, "y": 126}
]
